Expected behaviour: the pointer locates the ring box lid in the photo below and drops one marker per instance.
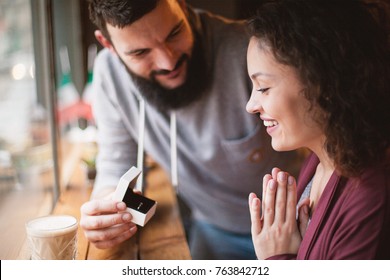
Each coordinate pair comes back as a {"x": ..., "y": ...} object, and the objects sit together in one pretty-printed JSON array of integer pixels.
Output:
[{"x": 139, "y": 206}]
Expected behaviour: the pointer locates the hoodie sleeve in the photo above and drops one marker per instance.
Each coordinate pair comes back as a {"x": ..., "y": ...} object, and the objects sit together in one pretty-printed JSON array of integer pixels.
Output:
[{"x": 117, "y": 149}]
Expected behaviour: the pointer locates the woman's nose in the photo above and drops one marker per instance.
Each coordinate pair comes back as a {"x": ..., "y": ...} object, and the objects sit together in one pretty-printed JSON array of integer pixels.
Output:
[{"x": 254, "y": 104}]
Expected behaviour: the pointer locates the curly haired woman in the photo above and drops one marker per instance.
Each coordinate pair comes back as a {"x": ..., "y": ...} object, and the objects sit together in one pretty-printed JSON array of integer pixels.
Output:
[{"x": 321, "y": 80}]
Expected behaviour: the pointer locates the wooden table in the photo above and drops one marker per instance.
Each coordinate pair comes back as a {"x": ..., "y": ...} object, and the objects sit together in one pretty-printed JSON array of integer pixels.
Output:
[{"x": 163, "y": 238}]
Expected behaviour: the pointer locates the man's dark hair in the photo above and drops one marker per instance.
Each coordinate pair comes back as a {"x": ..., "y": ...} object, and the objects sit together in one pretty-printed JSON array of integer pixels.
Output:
[
  {"x": 118, "y": 13},
  {"x": 121, "y": 13}
]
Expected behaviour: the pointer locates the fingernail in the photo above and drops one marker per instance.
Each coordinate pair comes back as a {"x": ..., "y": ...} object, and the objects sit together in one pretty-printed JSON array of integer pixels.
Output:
[
  {"x": 134, "y": 228},
  {"x": 306, "y": 209},
  {"x": 290, "y": 180},
  {"x": 126, "y": 217},
  {"x": 121, "y": 206},
  {"x": 282, "y": 176}
]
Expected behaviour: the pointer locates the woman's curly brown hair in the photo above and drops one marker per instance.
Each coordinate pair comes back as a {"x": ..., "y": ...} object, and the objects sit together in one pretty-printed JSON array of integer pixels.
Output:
[{"x": 341, "y": 52}]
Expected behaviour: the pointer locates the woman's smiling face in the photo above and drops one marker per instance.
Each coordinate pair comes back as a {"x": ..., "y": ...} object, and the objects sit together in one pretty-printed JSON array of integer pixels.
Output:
[{"x": 277, "y": 96}]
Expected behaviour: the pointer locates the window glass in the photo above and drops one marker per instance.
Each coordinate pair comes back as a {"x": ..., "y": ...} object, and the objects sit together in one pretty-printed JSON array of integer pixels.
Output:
[
  {"x": 26, "y": 158},
  {"x": 74, "y": 61}
]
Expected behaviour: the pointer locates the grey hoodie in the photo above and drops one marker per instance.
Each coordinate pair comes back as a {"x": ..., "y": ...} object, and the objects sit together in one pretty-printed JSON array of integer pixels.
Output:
[{"x": 222, "y": 151}]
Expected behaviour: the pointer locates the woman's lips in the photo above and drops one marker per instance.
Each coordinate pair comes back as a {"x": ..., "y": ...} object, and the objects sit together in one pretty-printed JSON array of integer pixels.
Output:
[{"x": 270, "y": 124}]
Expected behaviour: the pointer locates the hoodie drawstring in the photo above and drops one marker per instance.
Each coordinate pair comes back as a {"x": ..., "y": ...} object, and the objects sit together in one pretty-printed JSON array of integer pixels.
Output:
[
  {"x": 141, "y": 136},
  {"x": 140, "y": 152},
  {"x": 173, "y": 134}
]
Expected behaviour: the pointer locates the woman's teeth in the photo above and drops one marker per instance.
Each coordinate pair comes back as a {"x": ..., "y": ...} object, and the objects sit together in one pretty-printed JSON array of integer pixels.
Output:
[{"x": 270, "y": 123}]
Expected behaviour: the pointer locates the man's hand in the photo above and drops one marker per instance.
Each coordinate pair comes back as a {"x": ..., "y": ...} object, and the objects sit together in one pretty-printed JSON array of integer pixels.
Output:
[{"x": 105, "y": 222}]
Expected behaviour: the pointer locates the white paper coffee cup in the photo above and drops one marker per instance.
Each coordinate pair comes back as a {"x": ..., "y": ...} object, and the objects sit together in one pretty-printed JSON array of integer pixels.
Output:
[{"x": 52, "y": 237}]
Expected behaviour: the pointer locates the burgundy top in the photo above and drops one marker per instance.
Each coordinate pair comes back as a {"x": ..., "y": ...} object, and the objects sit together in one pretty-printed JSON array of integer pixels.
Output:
[{"x": 352, "y": 217}]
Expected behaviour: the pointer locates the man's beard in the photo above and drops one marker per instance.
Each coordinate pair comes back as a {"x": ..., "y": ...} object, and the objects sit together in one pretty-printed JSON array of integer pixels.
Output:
[{"x": 193, "y": 89}]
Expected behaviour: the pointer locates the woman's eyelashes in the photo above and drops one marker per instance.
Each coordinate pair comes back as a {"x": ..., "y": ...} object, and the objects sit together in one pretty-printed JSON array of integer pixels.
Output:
[{"x": 262, "y": 90}]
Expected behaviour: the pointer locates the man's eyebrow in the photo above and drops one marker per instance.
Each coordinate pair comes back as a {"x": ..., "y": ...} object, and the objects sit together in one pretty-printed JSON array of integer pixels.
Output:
[{"x": 174, "y": 29}]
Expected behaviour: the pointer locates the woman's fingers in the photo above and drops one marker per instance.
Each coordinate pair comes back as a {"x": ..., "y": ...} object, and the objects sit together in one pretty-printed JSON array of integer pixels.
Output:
[
  {"x": 266, "y": 179},
  {"x": 255, "y": 213},
  {"x": 275, "y": 172},
  {"x": 279, "y": 202},
  {"x": 281, "y": 197},
  {"x": 269, "y": 202},
  {"x": 291, "y": 205}
]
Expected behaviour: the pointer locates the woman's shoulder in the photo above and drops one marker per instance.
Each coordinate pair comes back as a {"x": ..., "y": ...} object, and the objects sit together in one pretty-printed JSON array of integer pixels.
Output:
[
  {"x": 377, "y": 175},
  {"x": 372, "y": 187}
]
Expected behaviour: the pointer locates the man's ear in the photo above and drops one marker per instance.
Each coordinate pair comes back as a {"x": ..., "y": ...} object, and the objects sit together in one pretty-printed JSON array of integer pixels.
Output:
[{"x": 104, "y": 41}]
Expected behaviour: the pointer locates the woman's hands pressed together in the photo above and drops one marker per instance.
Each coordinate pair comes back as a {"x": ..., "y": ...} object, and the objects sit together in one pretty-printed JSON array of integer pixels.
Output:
[{"x": 274, "y": 225}]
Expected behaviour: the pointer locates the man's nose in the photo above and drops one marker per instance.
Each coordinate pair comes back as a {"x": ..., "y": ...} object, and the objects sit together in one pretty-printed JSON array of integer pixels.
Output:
[{"x": 165, "y": 58}]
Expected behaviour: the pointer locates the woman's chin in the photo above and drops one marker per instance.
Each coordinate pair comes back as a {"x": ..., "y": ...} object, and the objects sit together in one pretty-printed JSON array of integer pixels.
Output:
[{"x": 280, "y": 147}]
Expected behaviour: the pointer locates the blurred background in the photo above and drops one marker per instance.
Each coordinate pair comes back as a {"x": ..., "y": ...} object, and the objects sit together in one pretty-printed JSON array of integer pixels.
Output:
[{"x": 47, "y": 49}]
